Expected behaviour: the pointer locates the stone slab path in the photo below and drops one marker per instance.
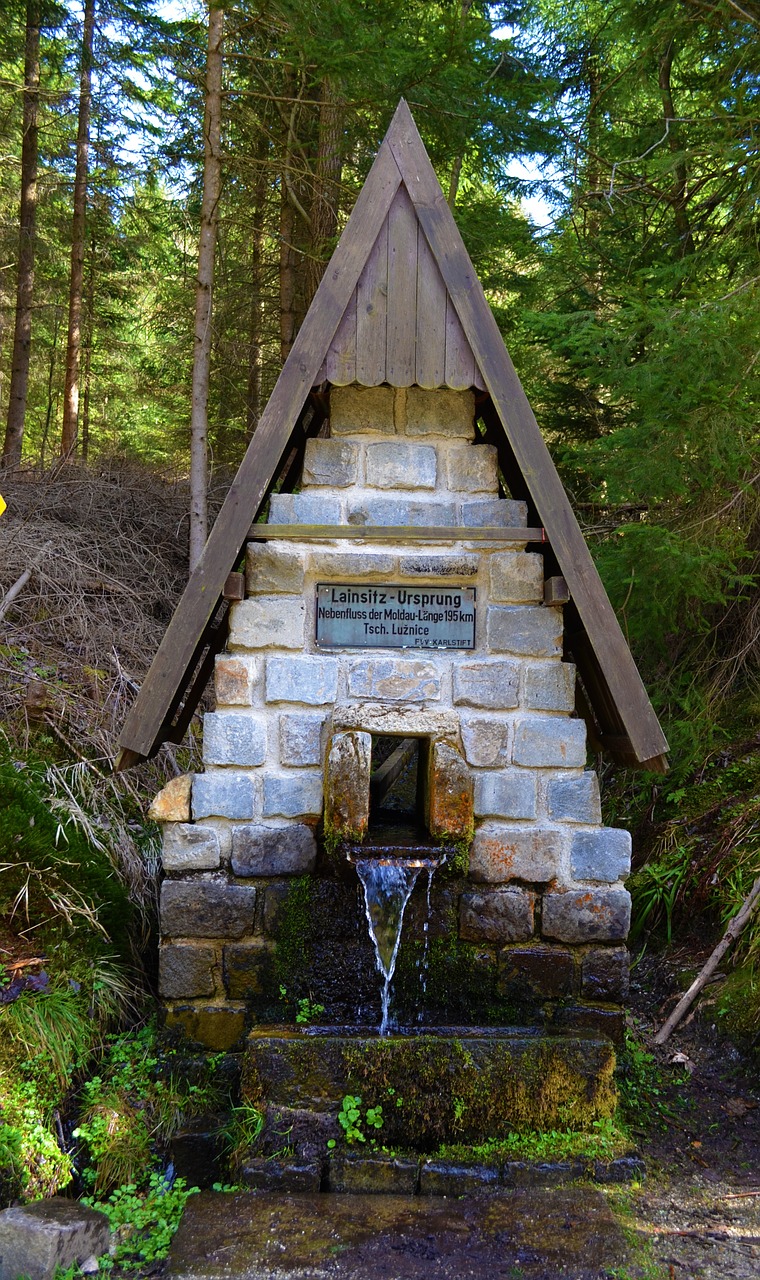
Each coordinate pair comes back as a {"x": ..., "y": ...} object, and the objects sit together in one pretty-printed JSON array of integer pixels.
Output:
[{"x": 537, "y": 1234}]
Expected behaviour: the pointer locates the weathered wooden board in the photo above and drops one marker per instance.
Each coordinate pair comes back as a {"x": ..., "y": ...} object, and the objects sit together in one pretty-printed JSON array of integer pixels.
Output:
[
  {"x": 372, "y": 314},
  {"x": 142, "y": 731},
  {"x": 392, "y": 533},
  {"x": 402, "y": 292},
  {"x": 340, "y": 365},
  {"x": 430, "y": 339},
  {"x": 596, "y": 613}
]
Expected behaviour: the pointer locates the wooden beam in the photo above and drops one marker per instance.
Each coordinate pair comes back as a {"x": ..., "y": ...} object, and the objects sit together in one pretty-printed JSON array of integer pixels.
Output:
[
  {"x": 391, "y": 533},
  {"x": 527, "y": 443},
  {"x": 143, "y": 727}
]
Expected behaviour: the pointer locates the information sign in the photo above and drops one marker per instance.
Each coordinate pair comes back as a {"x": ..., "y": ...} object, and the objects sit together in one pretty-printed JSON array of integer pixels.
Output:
[{"x": 351, "y": 616}]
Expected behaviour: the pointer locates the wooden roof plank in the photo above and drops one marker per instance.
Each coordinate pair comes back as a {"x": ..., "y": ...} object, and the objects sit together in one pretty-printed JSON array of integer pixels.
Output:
[
  {"x": 460, "y": 362},
  {"x": 430, "y": 339},
  {"x": 402, "y": 292},
  {"x": 531, "y": 453},
  {"x": 372, "y": 314},
  {"x": 203, "y": 591},
  {"x": 340, "y": 365}
]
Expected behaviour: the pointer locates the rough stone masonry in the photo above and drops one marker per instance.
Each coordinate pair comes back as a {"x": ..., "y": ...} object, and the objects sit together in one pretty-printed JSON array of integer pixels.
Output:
[{"x": 537, "y": 911}]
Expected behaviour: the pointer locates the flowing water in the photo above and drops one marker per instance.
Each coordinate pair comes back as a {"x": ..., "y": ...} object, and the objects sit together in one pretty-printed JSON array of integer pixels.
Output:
[{"x": 388, "y": 885}]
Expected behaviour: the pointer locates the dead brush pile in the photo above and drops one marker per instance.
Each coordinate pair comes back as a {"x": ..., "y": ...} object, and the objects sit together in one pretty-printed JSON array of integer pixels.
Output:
[{"x": 105, "y": 549}]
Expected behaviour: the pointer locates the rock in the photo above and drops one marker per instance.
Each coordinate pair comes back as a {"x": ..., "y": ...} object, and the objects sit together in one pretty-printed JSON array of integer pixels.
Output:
[
  {"x": 330, "y": 462},
  {"x": 471, "y": 468},
  {"x": 394, "y": 679},
  {"x": 604, "y": 974},
  {"x": 273, "y": 851},
  {"x": 270, "y": 569},
  {"x": 218, "y": 1028},
  {"x": 349, "y": 760},
  {"x": 206, "y": 909},
  {"x": 530, "y": 631},
  {"x": 603, "y": 855},
  {"x": 587, "y": 915},
  {"x": 491, "y": 685},
  {"x": 445, "y": 1178},
  {"x": 312, "y": 679},
  {"x": 301, "y": 738},
  {"x": 376, "y": 1174},
  {"x": 574, "y": 799},
  {"x": 501, "y": 915},
  {"x": 235, "y": 679},
  {"x": 172, "y": 804},
  {"x": 485, "y": 740},
  {"x": 358, "y": 410},
  {"x": 450, "y": 794},
  {"x": 190, "y": 847},
  {"x": 549, "y": 686},
  {"x": 304, "y": 508},
  {"x": 295, "y": 794},
  {"x": 264, "y": 622},
  {"x": 503, "y": 851},
  {"x": 545, "y": 973},
  {"x": 224, "y": 794},
  {"x": 185, "y": 969},
  {"x": 550, "y": 742},
  {"x": 286, "y": 1176},
  {"x": 398, "y": 465},
  {"x": 37, "y": 1238},
  {"x": 248, "y": 969},
  {"x": 438, "y": 413},
  {"x": 517, "y": 577},
  {"x": 505, "y": 793}
]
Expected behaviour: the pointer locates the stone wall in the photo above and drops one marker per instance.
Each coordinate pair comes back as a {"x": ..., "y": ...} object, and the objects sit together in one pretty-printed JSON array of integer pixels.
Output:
[{"x": 539, "y": 916}]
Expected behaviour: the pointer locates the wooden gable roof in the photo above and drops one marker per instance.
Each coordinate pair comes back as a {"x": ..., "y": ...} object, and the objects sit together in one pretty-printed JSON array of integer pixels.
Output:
[{"x": 400, "y": 240}]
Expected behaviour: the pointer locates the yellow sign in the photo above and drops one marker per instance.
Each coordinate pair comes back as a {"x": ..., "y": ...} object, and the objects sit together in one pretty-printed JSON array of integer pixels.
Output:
[{"x": 3, "y": 504}]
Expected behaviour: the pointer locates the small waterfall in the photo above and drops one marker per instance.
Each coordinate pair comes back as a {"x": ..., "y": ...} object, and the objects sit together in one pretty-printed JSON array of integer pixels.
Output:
[{"x": 387, "y": 888}]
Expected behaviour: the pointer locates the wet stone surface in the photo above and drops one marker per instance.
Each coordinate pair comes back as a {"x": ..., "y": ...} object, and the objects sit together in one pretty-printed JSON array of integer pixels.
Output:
[{"x": 523, "y": 1235}]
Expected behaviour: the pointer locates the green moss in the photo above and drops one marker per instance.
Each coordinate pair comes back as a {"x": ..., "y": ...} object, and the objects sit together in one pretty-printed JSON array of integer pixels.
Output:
[
  {"x": 738, "y": 1004},
  {"x": 294, "y": 933},
  {"x": 458, "y": 855},
  {"x": 605, "y": 1141},
  {"x": 453, "y": 1092}
]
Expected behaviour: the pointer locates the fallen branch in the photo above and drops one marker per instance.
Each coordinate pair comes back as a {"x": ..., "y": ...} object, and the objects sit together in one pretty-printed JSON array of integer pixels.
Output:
[
  {"x": 732, "y": 932},
  {"x": 13, "y": 591}
]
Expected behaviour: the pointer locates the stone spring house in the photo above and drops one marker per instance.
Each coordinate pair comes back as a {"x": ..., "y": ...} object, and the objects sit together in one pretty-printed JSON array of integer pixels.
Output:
[{"x": 427, "y": 583}]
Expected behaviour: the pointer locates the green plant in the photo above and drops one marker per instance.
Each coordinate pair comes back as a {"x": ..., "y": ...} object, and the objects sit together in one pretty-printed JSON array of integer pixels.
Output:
[
  {"x": 241, "y": 1132},
  {"x": 351, "y": 1120},
  {"x": 605, "y": 1141},
  {"x": 32, "y": 1163},
  {"x": 306, "y": 1008},
  {"x": 143, "y": 1222},
  {"x": 655, "y": 889}
]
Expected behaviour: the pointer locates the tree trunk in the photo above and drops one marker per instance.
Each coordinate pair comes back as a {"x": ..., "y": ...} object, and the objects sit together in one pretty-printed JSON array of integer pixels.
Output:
[
  {"x": 22, "y": 336},
  {"x": 324, "y": 209},
  {"x": 253, "y": 390},
  {"x": 212, "y": 177},
  {"x": 287, "y": 273},
  {"x": 88, "y": 352},
  {"x": 678, "y": 193},
  {"x": 74, "y": 341}
]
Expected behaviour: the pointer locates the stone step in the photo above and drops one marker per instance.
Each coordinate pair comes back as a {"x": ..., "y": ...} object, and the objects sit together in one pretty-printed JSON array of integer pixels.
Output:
[{"x": 444, "y": 1085}]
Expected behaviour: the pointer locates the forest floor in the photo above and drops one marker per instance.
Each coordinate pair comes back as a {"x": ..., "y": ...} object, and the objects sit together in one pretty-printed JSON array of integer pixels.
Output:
[{"x": 696, "y": 1215}]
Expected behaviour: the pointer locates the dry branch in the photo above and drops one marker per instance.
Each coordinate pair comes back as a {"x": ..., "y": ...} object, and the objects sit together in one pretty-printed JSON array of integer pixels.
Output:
[{"x": 732, "y": 932}]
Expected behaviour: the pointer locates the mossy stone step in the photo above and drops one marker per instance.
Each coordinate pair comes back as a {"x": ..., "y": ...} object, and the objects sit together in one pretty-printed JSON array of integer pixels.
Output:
[{"x": 456, "y": 1084}]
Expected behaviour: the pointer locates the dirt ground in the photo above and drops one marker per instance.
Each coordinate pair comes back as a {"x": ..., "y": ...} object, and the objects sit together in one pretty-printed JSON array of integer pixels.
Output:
[{"x": 696, "y": 1215}]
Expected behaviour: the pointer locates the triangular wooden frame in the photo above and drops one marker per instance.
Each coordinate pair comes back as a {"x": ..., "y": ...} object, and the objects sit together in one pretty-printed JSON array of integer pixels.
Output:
[{"x": 620, "y": 714}]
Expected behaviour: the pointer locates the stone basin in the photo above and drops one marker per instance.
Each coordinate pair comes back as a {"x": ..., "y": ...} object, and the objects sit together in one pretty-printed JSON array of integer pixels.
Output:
[{"x": 456, "y": 1084}]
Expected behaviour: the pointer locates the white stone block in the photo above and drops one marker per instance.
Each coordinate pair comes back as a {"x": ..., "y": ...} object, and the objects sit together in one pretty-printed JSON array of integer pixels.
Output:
[
  {"x": 305, "y": 678},
  {"x": 487, "y": 684},
  {"x": 301, "y": 738},
  {"x": 330, "y": 462},
  {"x": 517, "y": 577},
  {"x": 297, "y": 793},
  {"x": 550, "y": 742},
  {"x": 485, "y": 740},
  {"x": 361, "y": 410},
  {"x": 549, "y": 686},
  {"x": 271, "y": 569},
  {"x": 505, "y": 793},
  {"x": 602, "y": 856},
  {"x": 471, "y": 468},
  {"x": 231, "y": 737},
  {"x": 502, "y": 852},
  {"x": 439, "y": 413},
  {"x": 190, "y": 847},
  {"x": 304, "y": 508},
  {"x": 394, "y": 464},
  {"x": 394, "y": 679},
  {"x": 574, "y": 799},
  {"x": 400, "y": 511},
  {"x": 529, "y": 632},
  {"x": 367, "y": 565},
  {"x": 268, "y": 622},
  {"x": 429, "y": 564},
  {"x": 226, "y": 794},
  {"x": 493, "y": 513}
]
